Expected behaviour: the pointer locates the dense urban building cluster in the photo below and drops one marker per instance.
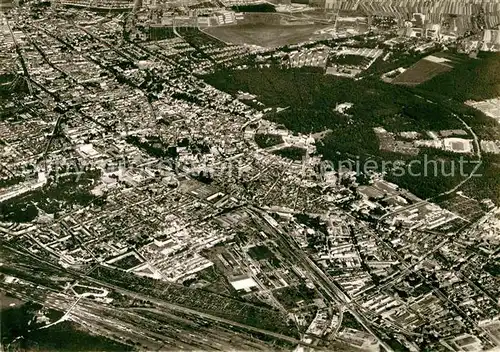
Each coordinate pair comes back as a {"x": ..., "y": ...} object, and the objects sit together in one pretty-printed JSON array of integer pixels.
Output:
[{"x": 157, "y": 209}]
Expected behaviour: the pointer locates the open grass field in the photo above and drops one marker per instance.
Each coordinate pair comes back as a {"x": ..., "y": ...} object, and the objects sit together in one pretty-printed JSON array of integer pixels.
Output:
[
  {"x": 5, "y": 5},
  {"x": 422, "y": 71},
  {"x": 266, "y": 35}
]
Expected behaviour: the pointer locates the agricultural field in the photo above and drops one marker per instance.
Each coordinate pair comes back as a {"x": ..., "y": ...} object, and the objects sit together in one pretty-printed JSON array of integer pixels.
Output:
[{"x": 5, "y": 5}]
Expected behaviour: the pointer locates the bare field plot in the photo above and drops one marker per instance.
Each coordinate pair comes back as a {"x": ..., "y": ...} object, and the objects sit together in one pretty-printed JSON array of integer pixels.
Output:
[
  {"x": 421, "y": 72},
  {"x": 272, "y": 35}
]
